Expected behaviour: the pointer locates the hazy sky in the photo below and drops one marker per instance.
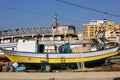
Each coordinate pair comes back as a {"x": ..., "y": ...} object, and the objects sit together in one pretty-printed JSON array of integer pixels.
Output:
[{"x": 29, "y": 13}]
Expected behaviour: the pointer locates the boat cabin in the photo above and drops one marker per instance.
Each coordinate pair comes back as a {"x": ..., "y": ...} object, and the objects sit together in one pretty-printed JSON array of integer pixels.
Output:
[{"x": 36, "y": 46}]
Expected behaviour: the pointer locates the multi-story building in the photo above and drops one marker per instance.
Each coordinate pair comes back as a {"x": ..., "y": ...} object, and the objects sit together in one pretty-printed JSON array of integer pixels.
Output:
[
  {"x": 114, "y": 36},
  {"x": 112, "y": 30},
  {"x": 117, "y": 26},
  {"x": 90, "y": 29}
]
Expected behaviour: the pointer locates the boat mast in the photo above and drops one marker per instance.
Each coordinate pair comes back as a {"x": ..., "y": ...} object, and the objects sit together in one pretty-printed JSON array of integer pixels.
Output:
[
  {"x": 103, "y": 36},
  {"x": 100, "y": 41}
]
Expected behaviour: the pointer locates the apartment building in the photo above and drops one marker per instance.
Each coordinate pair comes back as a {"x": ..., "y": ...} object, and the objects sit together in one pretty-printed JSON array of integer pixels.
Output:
[
  {"x": 117, "y": 26},
  {"x": 90, "y": 29},
  {"x": 112, "y": 32},
  {"x": 114, "y": 35}
]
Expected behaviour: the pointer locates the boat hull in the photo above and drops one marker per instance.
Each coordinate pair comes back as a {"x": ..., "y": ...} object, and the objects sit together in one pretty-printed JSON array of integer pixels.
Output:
[
  {"x": 67, "y": 65},
  {"x": 59, "y": 60}
]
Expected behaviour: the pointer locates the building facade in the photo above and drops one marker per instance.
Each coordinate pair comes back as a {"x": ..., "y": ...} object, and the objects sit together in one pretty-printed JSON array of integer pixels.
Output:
[
  {"x": 53, "y": 33},
  {"x": 90, "y": 29},
  {"x": 112, "y": 30},
  {"x": 114, "y": 36}
]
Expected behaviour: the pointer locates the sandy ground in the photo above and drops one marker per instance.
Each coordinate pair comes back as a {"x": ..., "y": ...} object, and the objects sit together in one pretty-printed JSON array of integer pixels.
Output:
[{"x": 60, "y": 76}]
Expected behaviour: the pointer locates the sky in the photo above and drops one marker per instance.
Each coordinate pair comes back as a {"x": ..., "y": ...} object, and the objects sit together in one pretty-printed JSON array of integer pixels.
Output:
[{"x": 32, "y": 13}]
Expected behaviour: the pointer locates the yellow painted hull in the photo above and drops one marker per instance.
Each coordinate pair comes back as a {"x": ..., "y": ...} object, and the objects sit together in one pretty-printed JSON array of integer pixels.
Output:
[
  {"x": 30, "y": 59},
  {"x": 61, "y": 59}
]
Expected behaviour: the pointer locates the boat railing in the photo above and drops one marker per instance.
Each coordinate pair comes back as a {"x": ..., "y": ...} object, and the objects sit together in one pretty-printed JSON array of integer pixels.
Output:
[
  {"x": 25, "y": 31},
  {"x": 8, "y": 45}
]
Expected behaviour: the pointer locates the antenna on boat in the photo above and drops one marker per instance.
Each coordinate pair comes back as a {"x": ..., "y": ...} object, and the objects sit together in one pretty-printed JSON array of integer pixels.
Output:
[{"x": 55, "y": 20}]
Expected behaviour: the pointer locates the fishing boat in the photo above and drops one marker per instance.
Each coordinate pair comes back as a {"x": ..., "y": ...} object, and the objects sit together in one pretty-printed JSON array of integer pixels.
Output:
[
  {"x": 61, "y": 56},
  {"x": 65, "y": 54}
]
